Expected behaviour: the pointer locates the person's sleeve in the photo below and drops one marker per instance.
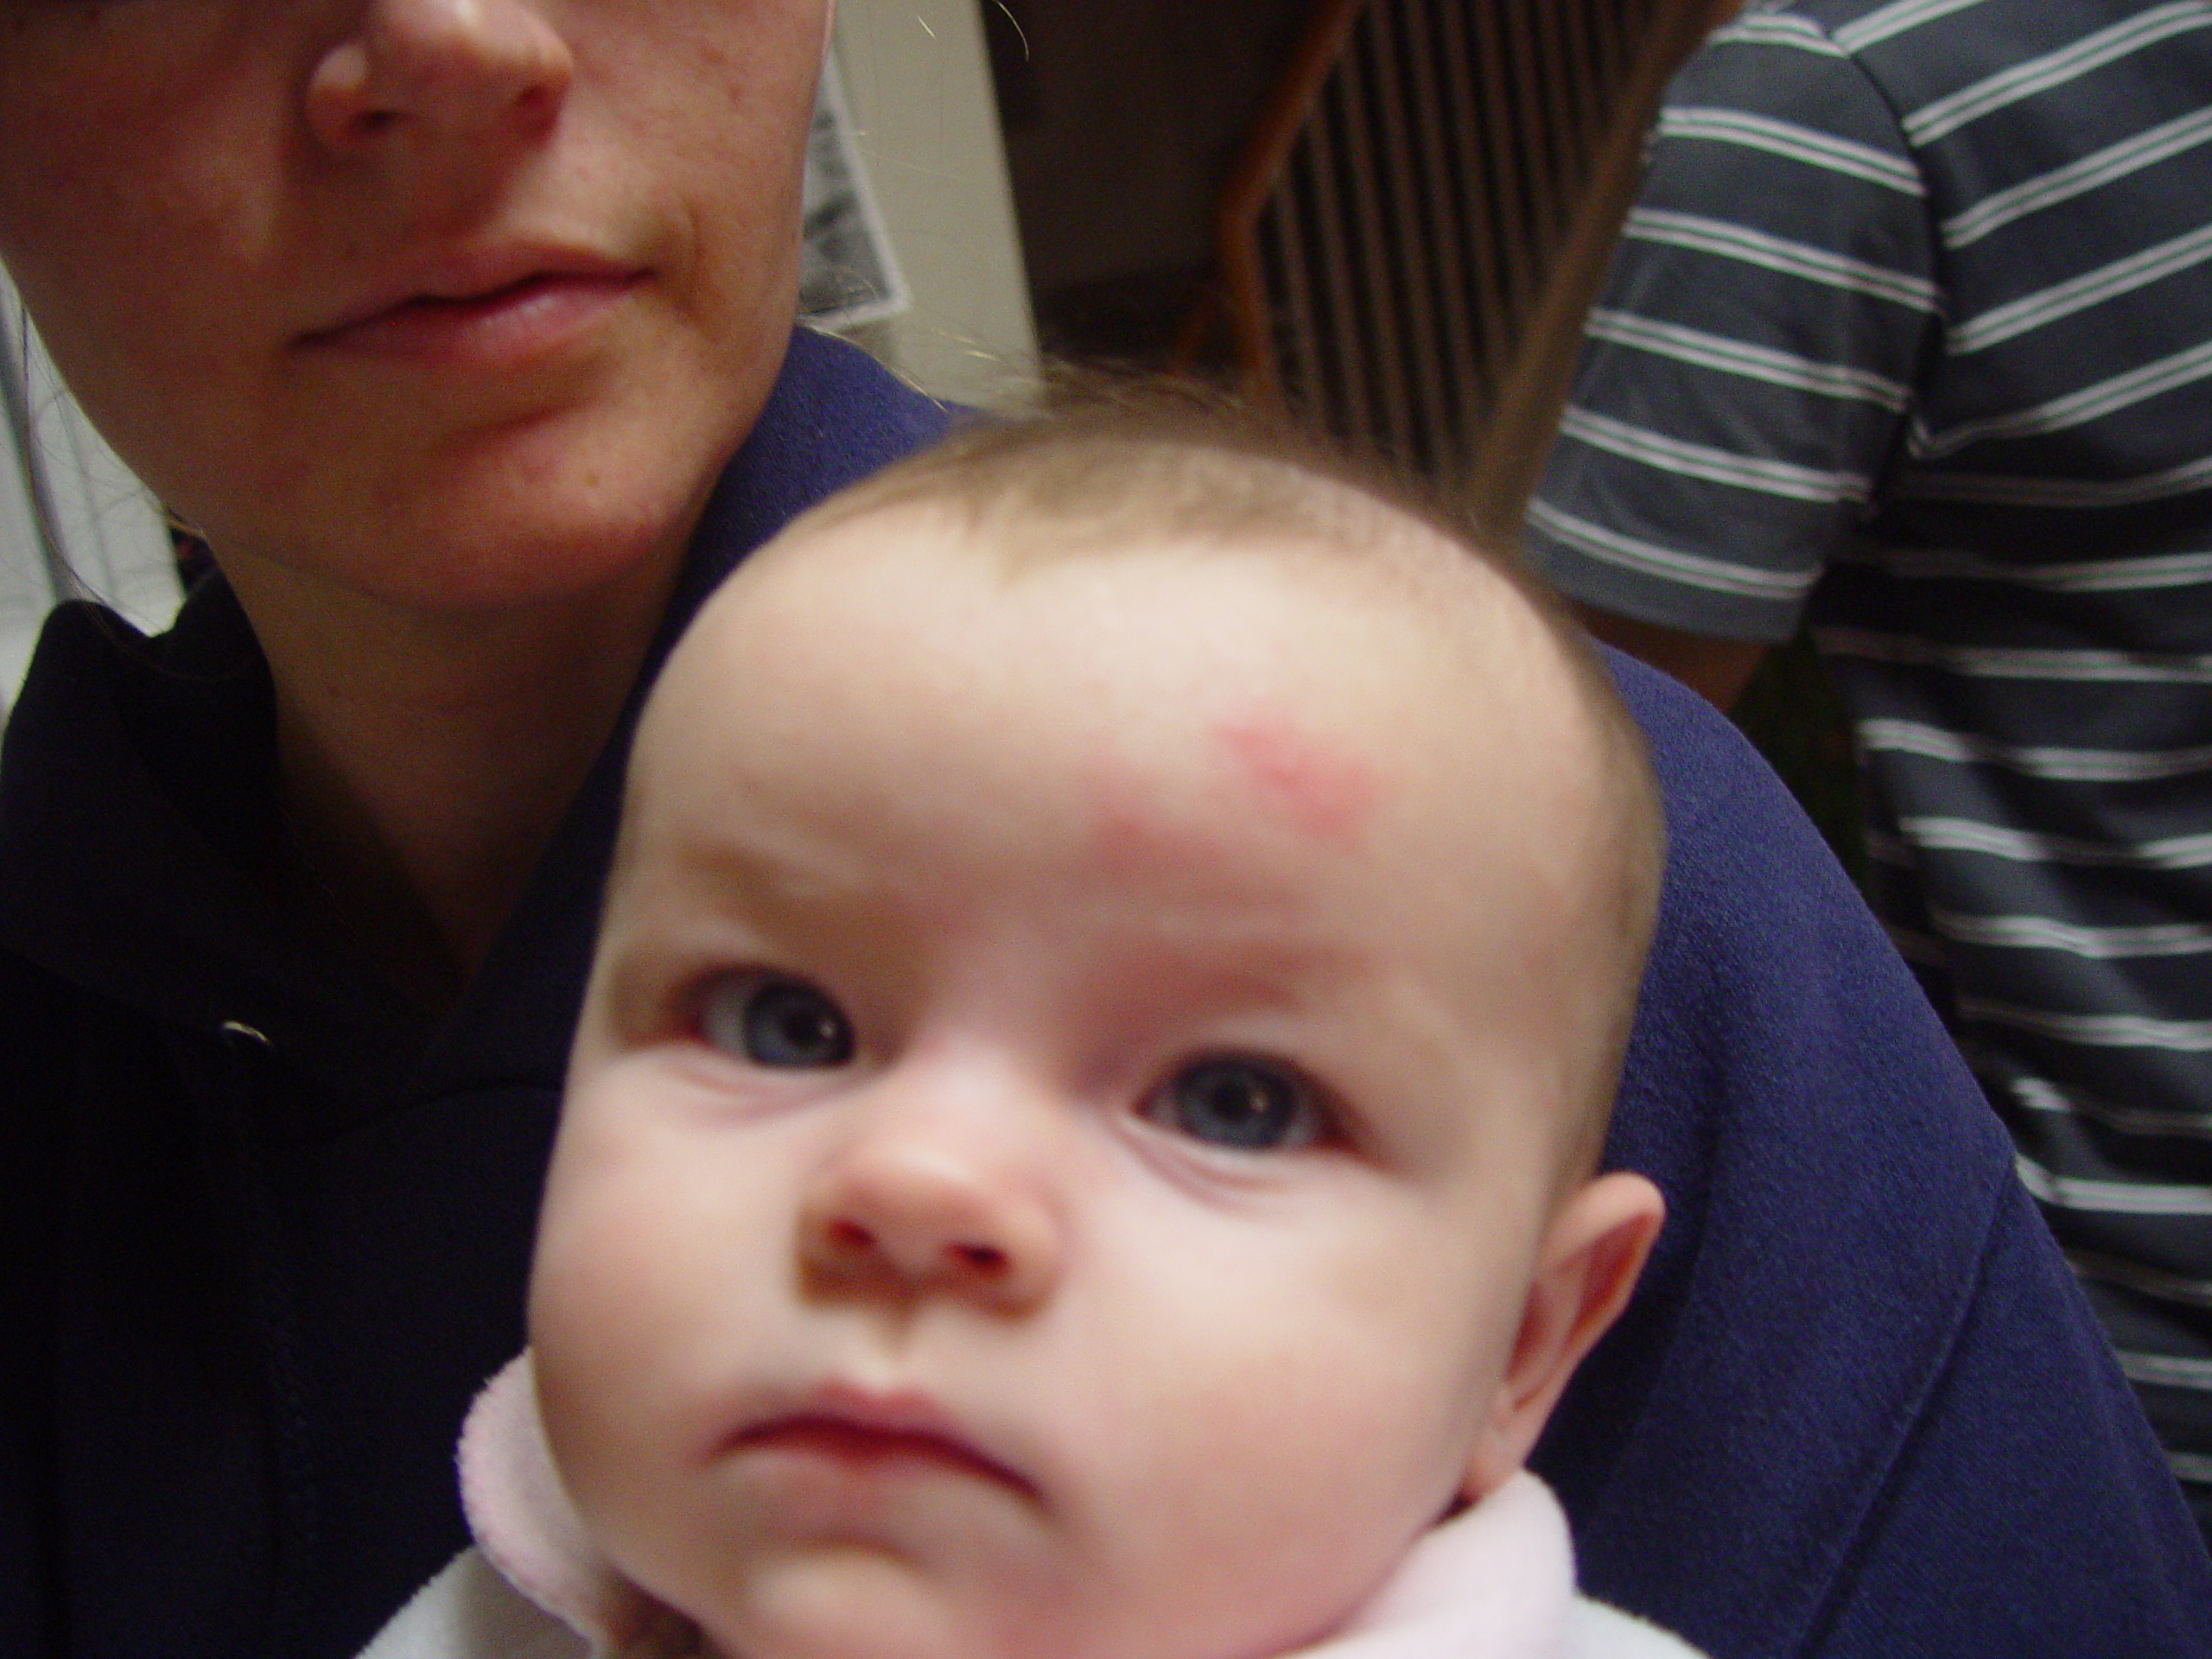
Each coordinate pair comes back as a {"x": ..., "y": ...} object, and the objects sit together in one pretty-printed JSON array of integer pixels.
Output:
[
  {"x": 1745, "y": 379},
  {"x": 1858, "y": 1406}
]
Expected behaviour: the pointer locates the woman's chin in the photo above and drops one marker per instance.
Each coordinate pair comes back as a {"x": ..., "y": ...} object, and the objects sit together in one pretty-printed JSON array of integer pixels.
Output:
[{"x": 552, "y": 504}]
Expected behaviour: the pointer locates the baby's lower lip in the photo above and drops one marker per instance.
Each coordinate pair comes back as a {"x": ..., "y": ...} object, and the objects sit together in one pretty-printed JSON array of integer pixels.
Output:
[
  {"x": 861, "y": 1447},
  {"x": 520, "y": 320}
]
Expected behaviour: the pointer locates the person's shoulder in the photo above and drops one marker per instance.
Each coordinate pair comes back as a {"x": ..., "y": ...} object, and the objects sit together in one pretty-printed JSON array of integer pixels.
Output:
[
  {"x": 1844, "y": 18},
  {"x": 1705, "y": 765},
  {"x": 832, "y": 392},
  {"x": 1595, "y": 1631},
  {"x": 1806, "y": 33},
  {"x": 1811, "y": 29},
  {"x": 1798, "y": 57}
]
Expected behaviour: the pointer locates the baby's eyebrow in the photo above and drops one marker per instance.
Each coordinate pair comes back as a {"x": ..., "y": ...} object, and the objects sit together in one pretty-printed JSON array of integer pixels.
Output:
[
  {"x": 1324, "y": 788},
  {"x": 766, "y": 864}
]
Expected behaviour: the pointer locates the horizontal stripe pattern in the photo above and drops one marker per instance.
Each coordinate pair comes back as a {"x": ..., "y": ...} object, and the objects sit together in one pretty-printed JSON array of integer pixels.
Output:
[
  {"x": 2091, "y": 287},
  {"x": 1650, "y": 557},
  {"x": 2013, "y": 490},
  {"x": 2091, "y": 402},
  {"x": 2045, "y": 933},
  {"x": 1992, "y": 213},
  {"x": 2092, "y": 1030},
  {"x": 2115, "y": 1197},
  {"x": 1776, "y": 29},
  {"x": 2172, "y": 1373},
  {"x": 1704, "y": 234},
  {"x": 1728, "y": 356},
  {"x": 1720, "y": 466},
  {"x": 2022, "y": 662},
  {"x": 1799, "y": 143},
  {"x": 1884, "y": 22},
  {"x": 2185, "y": 1289},
  {"x": 2035, "y": 760},
  {"x": 2055, "y": 69},
  {"x": 1942, "y": 835},
  {"x": 2153, "y": 574},
  {"x": 1916, "y": 300},
  {"x": 2037, "y": 1095}
]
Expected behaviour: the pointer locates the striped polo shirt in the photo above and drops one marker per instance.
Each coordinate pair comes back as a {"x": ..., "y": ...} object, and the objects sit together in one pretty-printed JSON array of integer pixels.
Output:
[{"x": 1910, "y": 333}]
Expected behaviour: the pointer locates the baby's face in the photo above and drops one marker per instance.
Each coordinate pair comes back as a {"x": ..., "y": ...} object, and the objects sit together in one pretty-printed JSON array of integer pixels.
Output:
[{"x": 1069, "y": 1102}]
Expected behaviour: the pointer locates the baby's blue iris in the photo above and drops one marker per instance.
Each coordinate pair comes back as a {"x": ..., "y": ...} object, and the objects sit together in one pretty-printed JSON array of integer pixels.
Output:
[
  {"x": 1245, "y": 1105},
  {"x": 773, "y": 1020}
]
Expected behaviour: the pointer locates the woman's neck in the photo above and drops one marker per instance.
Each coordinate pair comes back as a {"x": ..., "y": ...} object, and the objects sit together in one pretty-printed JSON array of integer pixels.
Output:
[{"x": 425, "y": 760}]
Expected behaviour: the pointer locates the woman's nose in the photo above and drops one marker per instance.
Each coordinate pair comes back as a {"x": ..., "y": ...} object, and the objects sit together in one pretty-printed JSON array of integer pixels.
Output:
[
  {"x": 919, "y": 1209},
  {"x": 468, "y": 69}
]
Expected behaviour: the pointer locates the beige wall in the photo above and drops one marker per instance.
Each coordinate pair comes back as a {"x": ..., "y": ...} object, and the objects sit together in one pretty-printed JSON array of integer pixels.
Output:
[
  {"x": 920, "y": 83},
  {"x": 109, "y": 532}
]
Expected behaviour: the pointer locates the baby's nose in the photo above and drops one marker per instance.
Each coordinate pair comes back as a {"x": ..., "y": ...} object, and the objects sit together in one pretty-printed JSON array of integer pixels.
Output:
[{"x": 912, "y": 1210}]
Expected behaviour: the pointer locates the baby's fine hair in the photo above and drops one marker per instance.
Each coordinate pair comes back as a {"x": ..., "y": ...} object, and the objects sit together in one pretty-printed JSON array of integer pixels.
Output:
[{"x": 1124, "y": 467}]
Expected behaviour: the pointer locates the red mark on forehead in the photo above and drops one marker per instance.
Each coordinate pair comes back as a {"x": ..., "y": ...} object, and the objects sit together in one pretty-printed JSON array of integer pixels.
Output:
[
  {"x": 1324, "y": 792},
  {"x": 1315, "y": 789}
]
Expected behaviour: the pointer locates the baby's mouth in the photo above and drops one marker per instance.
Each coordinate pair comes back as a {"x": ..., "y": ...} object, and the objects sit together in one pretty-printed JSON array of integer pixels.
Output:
[{"x": 881, "y": 1437}]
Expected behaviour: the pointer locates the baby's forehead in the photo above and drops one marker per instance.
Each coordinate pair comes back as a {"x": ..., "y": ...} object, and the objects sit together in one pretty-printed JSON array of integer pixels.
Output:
[
  {"x": 1290, "y": 660},
  {"x": 1345, "y": 609}
]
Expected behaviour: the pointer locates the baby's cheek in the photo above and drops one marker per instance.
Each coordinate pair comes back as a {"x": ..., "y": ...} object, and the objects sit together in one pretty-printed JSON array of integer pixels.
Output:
[
  {"x": 612, "y": 1406},
  {"x": 609, "y": 1271}
]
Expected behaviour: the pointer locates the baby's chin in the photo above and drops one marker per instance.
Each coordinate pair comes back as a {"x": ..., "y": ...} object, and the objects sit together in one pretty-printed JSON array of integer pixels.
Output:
[
  {"x": 884, "y": 1621},
  {"x": 871, "y": 1613}
]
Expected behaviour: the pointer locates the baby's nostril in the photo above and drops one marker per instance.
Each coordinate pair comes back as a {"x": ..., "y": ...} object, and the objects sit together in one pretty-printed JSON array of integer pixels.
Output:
[
  {"x": 849, "y": 1237},
  {"x": 981, "y": 1258}
]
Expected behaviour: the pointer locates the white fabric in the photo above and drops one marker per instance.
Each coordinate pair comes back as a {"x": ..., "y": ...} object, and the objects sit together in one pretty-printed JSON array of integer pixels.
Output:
[{"x": 1496, "y": 1582}]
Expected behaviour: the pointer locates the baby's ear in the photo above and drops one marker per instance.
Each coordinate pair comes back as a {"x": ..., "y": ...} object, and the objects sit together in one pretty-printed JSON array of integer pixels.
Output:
[{"x": 1586, "y": 1268}]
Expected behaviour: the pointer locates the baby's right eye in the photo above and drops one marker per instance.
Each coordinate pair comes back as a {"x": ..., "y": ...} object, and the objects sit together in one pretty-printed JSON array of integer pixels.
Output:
[{"x": 773, "y": 1019}]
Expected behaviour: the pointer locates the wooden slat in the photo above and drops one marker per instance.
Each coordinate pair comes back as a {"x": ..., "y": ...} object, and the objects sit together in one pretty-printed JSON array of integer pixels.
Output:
[
  {"x": 1416, "y": 249},
  {"x": 1379, "y": 299},
  {"x": 1471, "y": 99},
  {"x": 1436, "y": 184},
  {"x": 1259, "y": 169},
  {"x": 1302, "y": 342},
  {"x": 1352, "y": 412},
  {"x": 1460, "y": 363}
]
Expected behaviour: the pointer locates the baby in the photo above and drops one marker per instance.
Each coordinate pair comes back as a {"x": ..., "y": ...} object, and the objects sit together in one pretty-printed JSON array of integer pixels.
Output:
[{"x": 1082, "y": 1141}]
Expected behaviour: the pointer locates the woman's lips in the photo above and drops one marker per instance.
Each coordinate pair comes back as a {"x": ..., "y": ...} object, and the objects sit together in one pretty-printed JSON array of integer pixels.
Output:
[{"x": 508, "y": 324}]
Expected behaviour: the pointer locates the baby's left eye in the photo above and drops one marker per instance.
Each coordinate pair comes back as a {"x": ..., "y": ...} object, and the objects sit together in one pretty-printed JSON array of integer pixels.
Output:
[
  {"x": 773, "y": 1019},
  {"x": 1245, "y": 1105}
]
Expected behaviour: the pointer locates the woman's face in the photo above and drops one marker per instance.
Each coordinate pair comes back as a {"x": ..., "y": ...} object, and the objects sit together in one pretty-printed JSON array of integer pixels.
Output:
[{"x": 455, "y": 303}]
